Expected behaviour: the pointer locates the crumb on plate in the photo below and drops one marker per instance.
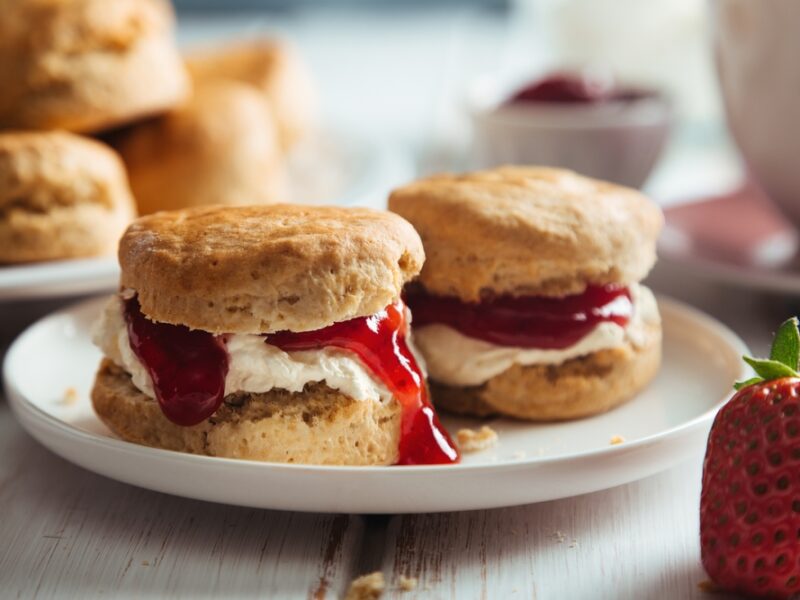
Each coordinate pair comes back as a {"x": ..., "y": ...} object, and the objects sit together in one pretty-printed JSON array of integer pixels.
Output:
[
  {"x": 70, "y": 396},
  {"x": 616, "y": 440},
  {"x": 366, "y": 587},
  {"x": 470, "y": 440}
]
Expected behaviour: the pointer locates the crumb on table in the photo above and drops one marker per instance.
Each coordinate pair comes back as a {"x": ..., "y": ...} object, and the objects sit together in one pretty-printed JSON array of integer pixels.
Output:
[
  {"x": 616, "y": 440},
  {"x": 407, "y": 584},
  {"x": 709, "y": 587},
  {"x": 558, "y": 536},
  {"x": 470, "y": 440},
  {"x": 366, "y": 587}
]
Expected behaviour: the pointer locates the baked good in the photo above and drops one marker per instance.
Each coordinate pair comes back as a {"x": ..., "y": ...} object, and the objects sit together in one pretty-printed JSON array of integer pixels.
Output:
[
  {"x": 529, "y": 303},
  {"x": 276, "y": 69},
  {"x": 87, "y": 65},
  {"x": 220, "y": 147},
  {"x": 61, "y": 196},
  {"x": 270, "y": 333}
]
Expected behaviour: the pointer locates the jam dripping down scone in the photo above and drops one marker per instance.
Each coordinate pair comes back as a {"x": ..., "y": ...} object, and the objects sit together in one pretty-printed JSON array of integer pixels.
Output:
[{"x": 272, "y": 333}]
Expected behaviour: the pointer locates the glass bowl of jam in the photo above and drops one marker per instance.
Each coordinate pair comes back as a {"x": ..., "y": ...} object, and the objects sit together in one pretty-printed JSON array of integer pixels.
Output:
[{"x": 587, "y": 123}]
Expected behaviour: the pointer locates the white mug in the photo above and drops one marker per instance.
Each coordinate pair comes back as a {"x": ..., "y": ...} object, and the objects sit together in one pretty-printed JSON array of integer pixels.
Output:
[{"x": 757, "y": 49}]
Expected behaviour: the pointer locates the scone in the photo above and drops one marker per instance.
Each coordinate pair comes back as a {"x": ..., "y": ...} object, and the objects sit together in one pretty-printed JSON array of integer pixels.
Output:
[
  {"x": 220, "y": 147},
  {"x": 61, "y": 196},
  {"x": 273, "y": 67},
  {"x": 87, "y": 65},
  {"x": 272, "y": 333},
  {"x": 529, "y": 303}
]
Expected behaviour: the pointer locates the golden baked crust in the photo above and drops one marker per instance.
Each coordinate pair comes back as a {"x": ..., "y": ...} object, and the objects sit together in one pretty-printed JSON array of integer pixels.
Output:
[
  {"x": 220, "y": 147},
  {"x": 61, "y": 196},
  {"x": 316, "y": 426},
  {"x": 86, "y": 65},
  {"x": 577, "y": 388},
  {"x": 528, "y": 230},
  {"x": 272, "y": 66},
  {"x": 259, "y": 269}
]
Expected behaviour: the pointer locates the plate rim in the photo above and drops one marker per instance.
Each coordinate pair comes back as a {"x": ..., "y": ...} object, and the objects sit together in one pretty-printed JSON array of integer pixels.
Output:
[{"x": 23, "y": 408}]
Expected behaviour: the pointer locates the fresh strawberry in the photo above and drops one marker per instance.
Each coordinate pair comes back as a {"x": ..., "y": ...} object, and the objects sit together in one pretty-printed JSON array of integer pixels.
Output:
[{"x": 750, "y": 504}]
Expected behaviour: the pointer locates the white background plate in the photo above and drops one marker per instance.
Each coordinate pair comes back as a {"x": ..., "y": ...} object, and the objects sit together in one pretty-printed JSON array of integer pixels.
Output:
[
  {"x": 58, "y": 278},
  {"x": 664, "y": 425}
]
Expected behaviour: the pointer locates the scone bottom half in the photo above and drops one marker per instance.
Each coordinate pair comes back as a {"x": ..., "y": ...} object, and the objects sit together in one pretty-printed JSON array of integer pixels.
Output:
[
  {"x": 338, "y": 386},
  {"x": 528, "y": 304}
]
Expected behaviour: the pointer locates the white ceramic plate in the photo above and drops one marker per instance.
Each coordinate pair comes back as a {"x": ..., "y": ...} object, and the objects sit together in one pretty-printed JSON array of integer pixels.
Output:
[
  {"x": 58, "y": 278},
  {"x": 335, "y": 169},
  {"x": 664, "y": 425}
]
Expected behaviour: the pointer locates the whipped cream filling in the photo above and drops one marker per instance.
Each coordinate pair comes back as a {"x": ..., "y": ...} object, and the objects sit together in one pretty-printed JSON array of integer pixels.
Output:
[
  {"x": 254, "y": 367},
  {"x": 455, "y": 359}
]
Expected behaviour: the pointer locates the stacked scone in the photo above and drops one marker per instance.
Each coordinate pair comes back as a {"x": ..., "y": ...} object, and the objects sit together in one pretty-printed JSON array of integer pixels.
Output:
[
  {"x": 253, "y": 103},
  {"x": 529, "y": 303},
  {"x": 215, "y": 131},
  {"x": 271, "y": 333},
  {"x": 89, "y": 65},
  {"x": 61, "y": 196}
]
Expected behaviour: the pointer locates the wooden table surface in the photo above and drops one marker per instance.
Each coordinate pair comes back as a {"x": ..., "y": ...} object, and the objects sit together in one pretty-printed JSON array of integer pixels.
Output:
[{"x": 67, "y": 533}]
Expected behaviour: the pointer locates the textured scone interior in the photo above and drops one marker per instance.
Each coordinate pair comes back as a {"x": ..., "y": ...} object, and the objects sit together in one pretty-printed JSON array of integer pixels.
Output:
[
  {"x": 316, "y": 426},
  {"x": 579, "y": 387},
  {"x": 527, "y": 231},
  {"x": 259, "y": 269}
]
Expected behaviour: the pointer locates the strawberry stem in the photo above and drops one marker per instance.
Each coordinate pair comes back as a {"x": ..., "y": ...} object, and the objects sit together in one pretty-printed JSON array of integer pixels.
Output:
[{"x": 783, "y": 358}]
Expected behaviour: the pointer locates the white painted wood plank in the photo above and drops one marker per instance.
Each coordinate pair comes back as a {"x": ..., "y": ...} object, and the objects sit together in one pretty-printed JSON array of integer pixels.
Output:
[
  {"x": 637, "y": 541},
  {"x": 67, "y": 533}
]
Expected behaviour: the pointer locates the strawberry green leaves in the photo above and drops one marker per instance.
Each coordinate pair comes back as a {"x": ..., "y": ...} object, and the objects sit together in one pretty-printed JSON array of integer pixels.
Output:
[
  {"x": 783, "y": 358},
  {"x": 786, "y": 345}
]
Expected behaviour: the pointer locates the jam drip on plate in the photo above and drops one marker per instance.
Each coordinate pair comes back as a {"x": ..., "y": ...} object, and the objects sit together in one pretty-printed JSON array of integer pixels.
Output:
[
  {"x": 527, "y": 321},
  {"x": 379, "y": 341},
  {"x": 187, "y": 367}
]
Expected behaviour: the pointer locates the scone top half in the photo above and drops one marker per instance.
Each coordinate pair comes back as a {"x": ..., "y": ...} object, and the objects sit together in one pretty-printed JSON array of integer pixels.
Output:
[
  {"x": 278, "y": 329},
  {"x": 524, "y": 231},
  {"x": 532, "y": 273},
  {"x": 257, "y": 270}
]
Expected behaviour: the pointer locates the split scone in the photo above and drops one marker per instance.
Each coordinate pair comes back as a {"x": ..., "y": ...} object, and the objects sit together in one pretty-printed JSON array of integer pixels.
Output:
[
  {"x": 220, "y": 147},
  {"x": 275, "y": 69},
  {"x": 529, "y": 303},
  {"x": 87, "y": 65},
  {"x": 61, "y": 196},
  {"x": 272, "y": 333}
]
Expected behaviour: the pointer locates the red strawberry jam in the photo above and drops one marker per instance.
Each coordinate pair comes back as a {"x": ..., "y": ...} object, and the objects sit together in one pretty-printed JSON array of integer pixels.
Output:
[
  {"x": 568, "y": 88},
  {"x": 188, "y": 370},
  {"x": 188, "y": 367},
  {"x": 379, "y": 341},
  {"x": 527, "y": 321}
]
